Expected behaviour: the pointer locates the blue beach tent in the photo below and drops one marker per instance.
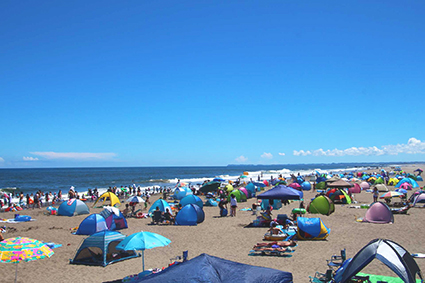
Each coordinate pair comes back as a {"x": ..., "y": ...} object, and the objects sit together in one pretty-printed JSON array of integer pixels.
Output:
[
  {"x": 206, "y": 268},
  {"x": 407, "y": 180},
  {"x": 306, "y": 186},
  {"x": 73, "y": 207},
  {"x": 181, "y": 192},
  {"x": 92, "y": 224},
  {"x": 251, "y": 189},
  {"x": 100, "y": 249},
  {"x": 162, "y": 204},
  {"x": 211, "y": 202},
  {"x": 190, "y": 214},
  {"x": 192, "y": 199}
]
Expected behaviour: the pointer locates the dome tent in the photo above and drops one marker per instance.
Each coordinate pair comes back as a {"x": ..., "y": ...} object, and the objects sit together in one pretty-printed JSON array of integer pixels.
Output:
[
  {"x": 322, "y": 205},
  {"x": 311, "y": 229},
  {"x": 306, "y": 186},
  {"x": 240, "y": 196},
  {"x": 115, "y": 220},
  {"x": 92, "y": 224},
  {"x": 379, "y": 213},
  {"x": 190, "y": 214},
  {"x": 73, "y": 207},
  {"x": 162, "y": 204},
  {"x": 192, "y": 199},
  {"x": 390, "y": 253},
  {"x": 99, "y": 248},
  {"x": 181, "y": 192}
]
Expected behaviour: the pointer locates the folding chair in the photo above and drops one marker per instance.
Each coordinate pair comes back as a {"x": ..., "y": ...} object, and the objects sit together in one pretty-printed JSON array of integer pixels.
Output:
[
  {"x": 322, "y": 277},
  {"x": 337, "y": 260}
]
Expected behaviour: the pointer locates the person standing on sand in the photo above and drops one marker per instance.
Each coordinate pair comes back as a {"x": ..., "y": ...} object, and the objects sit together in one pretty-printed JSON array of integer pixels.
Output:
[
  {"x": 375, "y": 194},
  {"x": 233, "y": 205}
]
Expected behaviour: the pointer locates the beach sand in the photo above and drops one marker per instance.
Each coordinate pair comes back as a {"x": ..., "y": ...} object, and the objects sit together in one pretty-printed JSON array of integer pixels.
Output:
[{"x": 222, "y": 237}]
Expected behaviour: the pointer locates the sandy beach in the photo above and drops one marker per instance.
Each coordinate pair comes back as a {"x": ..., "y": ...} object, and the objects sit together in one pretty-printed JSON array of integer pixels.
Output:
[{"x": 222, "y": 237}]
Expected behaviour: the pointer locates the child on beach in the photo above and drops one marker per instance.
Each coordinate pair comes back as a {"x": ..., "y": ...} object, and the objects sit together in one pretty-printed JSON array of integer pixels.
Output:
[
  {"x": 233, "y": 205},
  {"x": 375, "y": 194}
]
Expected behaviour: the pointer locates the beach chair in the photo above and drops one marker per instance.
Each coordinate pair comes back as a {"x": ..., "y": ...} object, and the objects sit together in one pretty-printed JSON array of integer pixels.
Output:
[
  {"x": 272, "y": 252},
  {"x": 157, "y": 217},
  {"x": 177, "y": 259},
  {"x": 337, "y": 260},
  {"x": 322, "y": 277}
]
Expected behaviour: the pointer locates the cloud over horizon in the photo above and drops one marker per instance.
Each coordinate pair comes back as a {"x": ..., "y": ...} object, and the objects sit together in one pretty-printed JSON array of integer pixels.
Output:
[
  {"x": 29, "y": 158},
  {"x": 241, "y": 159},
  {"x": 413, "y": 146},
  {"x": 75, "y": 155},
  {"x": 266, "y": 155},
  {"x": 1, "y": 159}
]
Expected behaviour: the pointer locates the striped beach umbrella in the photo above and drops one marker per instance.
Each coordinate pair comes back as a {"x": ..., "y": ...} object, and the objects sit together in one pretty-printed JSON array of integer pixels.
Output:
[{"x": 391, "y": 195}]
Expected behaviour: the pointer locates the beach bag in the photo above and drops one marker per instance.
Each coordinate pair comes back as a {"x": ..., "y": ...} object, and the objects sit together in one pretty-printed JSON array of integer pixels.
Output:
[{"x": 223, "y": 212}]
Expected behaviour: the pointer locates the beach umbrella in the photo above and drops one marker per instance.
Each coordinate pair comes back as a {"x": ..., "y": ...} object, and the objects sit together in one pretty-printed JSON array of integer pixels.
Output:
[
  {"x": 391, "y": 195},
  {"x": 136, "y": 199},
  {"x": 15, "y": 250},
  {"x": 142, "y": 241},
  {"x": 403, "y": 191},
  {"x": 218, "y": 180}
]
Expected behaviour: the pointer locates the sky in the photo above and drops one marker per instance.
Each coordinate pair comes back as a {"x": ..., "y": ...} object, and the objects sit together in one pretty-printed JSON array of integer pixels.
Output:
[{"x": 204, "y": 83}]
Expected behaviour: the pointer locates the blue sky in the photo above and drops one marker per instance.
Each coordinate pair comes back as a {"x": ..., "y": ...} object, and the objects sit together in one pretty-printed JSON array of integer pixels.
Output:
[{"x": 150, "y": 83}]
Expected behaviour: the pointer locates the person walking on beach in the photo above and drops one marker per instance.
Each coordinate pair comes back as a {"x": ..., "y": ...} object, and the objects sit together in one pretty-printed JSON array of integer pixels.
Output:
[
  {"x": 375, "y": 194},
  {"x": 233, "y": 205}
]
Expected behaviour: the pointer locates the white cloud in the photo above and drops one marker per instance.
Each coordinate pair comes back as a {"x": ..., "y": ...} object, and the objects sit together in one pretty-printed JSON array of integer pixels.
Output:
[
  {"x": 29, "y": 158},
  {"x": 267, "y": 155},
  {"x": 1, "y": 159},
  {"x": 413, "y": 146},
  {"x": 281, "y": 153},
  {"x": 74, "y": 155},
  {"x": 241, "y": 159}
]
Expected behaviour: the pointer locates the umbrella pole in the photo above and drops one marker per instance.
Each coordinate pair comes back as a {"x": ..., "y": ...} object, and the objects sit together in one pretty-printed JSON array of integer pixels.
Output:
[
  {"x": 16, "y": 273},
  {"x": 143, "y": 259}
]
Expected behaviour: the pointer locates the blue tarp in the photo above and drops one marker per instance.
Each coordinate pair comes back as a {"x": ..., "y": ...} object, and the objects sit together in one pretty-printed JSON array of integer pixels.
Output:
[
  {"x": 206, "y": 268},
  {"x": 281, "y": 192}
]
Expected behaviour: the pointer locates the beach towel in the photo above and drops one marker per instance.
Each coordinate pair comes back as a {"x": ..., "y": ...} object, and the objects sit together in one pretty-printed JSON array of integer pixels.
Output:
[
  {"x": 53, "y": 245},
  {"x": 13, "y": 221}
]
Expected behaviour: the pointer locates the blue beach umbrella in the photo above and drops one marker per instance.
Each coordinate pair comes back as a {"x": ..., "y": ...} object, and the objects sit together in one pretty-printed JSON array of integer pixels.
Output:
[{"x": 142, "y": 241}]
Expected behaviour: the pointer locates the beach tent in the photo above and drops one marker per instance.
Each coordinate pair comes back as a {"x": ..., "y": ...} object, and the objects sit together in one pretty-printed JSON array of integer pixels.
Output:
[
  {"x": 365, "y": 185},
  {"x": 381, "y": 188},
  {"x": 92, "y": 224},
  {"x": 281, "y": 192},
  {"x": 379, "y": 213},
  {"x": 406, "y": 186},
  {"x": 410, "y": 181},
  {"x": 206, "y": 268},
  {"x": 338, "y": 195},
  {"x": 306, "y": 186},
  {"x": 419, "y": 178},
  {"x": 380, "y": 180},
  {"x": 388, "y": 252},
  {"x": 420, "y": 198},
  {"x": 295, "y": 186},
  {"x": 192, "y": 199},
  {"x": 240, "y": 196},
  {"x": 115, "y": 220},
  {"x": 245, "y": 191},
  {"x": 338, "y": 184},
  {"x": 162, "y": 204},
  {"x": 320, "y": 186},
  {"x": 356, "y": 189},
  {"x": 181, "y": 192},
  {"x": 210, "y": 202},
  {"x": 228, "y": 188},
  {"x": 392, "y": 181},
  {"x": 322, "y": 205},
  {"x": 311, "y": 229},
  {"x": 190, "y": 214},
  {"x": 107, "y": 198},
  {"x": 277, "y": 204},
  {"x": 73, "y": 207},
  {"x": 251, "y": 189},
  {"x": 210, "y": 186},
  {"x": 99, "y": 249}
]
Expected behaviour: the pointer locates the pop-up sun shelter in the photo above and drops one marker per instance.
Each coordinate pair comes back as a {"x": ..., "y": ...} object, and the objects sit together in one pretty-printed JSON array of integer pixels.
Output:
[
  {"x": 206, "y": 268},
  {"x": 390, "y": 253},
  {"x": 322, "y": 205},
  {"x": 190, "y": 214},
  {"x": 192, "y": 199},
  {"x": 73, "y": 207},
  {"x": 161, "y": 204},
  {"x": 311, "y": 229},
  {"x": 100, "y": 249},
  {"x": 379, "y": 213},
  {"x": 92, "y": 224},
  {"x": 107, "y": 198},
  {"x": 115, "y": 220}
]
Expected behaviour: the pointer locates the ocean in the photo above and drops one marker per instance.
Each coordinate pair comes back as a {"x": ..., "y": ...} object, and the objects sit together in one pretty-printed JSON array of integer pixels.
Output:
[{"x": 82, "y": 179}]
